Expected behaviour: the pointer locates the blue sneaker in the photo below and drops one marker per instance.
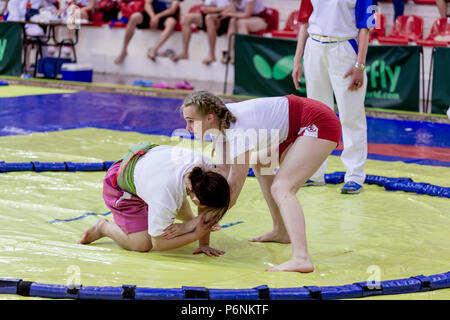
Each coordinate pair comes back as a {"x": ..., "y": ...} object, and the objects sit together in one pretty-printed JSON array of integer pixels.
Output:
[{"x": 351, "y": 188}]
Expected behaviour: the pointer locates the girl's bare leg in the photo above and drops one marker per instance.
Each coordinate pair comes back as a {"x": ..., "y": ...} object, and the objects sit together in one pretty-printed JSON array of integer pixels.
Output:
[
  {"x": 310, "y": 153},
  {"x": 138, "y": 241},
  {"x": 169, "y": 27},
  {"x": 278, "y": 232},
  {"x": 135, "y": 19},
  {"x": 253, "y": 24},
  {"x": 211, "y": 29},
  {"x": 191, "y": 18},
  {"x": 231, "y": 29}
]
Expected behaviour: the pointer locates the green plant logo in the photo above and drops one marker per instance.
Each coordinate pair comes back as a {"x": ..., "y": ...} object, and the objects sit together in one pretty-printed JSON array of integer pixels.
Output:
[
  {"x": 3, "y": 43},
  {"x": 282, "y": 68}
]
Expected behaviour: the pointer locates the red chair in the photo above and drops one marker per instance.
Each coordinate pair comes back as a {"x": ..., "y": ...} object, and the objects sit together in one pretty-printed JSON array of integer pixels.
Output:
[
  {"x": 441, "y": 27},
  {"x": 195, "y": 9},
  {"x": 433, "y": 2},
  {"x": 275, "y": 18},
  {"x": 380, "y": 27},
  {"x": 97, "y": 19},
  {"x": 127, "y": 8},
  {"x": 407, "y": 28},
  {"x": 291, "y": 28}
]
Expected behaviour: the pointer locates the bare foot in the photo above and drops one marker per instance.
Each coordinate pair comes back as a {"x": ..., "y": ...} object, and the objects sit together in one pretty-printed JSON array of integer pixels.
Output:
[
  {"x": 272, "y": 236},
  {"x": 120, "y": 58},
  {"x": 151, "y": 54},
  {"x": 209, "y": 60},
  {"x": 294, "y": 265},
  {"x": 181, "y": 56},
  {"x": 93, "y": 233}
]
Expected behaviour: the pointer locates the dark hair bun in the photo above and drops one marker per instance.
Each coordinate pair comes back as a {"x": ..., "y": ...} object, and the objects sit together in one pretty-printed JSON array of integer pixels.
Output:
[{"x": 196, "y": 173}]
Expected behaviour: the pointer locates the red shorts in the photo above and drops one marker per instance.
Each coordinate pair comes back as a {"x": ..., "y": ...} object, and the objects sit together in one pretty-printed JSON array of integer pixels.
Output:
[
  {"x": 308, "y": 117},
  {"x": 130, "y": 213}
]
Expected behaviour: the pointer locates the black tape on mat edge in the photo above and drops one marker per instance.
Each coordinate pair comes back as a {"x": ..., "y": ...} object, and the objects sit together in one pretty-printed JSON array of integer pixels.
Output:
[
  {"x": 192, "y": 293},
  {"x": 73, "y": 289},
  {"x": 128, "y": 292},
  {"x": 314, "y": 294},
  {"x": 23, "y": 288},
  {"x": 263, "y": 292}
]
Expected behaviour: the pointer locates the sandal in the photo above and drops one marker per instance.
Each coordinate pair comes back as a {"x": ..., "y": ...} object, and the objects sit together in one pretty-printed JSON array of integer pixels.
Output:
[
  {"x": 163, "y": 85},
  {"x": 184, "y": 85}
]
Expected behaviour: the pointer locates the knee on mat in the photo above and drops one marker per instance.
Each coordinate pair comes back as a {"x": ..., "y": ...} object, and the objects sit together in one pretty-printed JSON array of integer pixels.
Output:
[{"x": 142, "y": 247}]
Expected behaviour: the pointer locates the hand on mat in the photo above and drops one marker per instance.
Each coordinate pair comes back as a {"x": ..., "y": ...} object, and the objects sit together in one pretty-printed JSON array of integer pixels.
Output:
[{"x": 209, "y": 251}]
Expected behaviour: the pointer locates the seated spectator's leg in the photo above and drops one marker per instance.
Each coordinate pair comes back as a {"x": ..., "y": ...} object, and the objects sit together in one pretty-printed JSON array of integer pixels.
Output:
[
  {"x": 135, "y": 19},
  {"x": 399, "y": 8},
  {"x": 189, "y": 20},
  {"x": 84, "y": 13},
  {"x": 442, "y": 7},
  {"x": 252, "y": 24},
  {"x": 169, "y": 26},
  {"x": 211, "y": 28},
  {"x": 232, "y": 27}
]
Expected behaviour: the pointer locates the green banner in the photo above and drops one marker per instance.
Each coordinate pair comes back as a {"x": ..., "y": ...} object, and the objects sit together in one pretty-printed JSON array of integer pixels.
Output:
[
  {"x": 440, "y": 100},
  {"x": 263, "y": 67},
  {"x": 10, "y": 48},
  {"x": 393, "y": 74}
]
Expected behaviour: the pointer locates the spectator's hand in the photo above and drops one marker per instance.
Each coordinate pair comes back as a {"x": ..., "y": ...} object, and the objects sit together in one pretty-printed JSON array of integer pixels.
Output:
[
  {"x": 154, "y": 22},
  {"x": 227, "y": 13},
  {"x": 357, "y": 78}
]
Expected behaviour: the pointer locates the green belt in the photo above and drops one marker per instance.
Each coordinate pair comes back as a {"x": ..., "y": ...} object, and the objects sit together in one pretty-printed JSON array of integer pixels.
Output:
[{"x": 125, "y": 176}]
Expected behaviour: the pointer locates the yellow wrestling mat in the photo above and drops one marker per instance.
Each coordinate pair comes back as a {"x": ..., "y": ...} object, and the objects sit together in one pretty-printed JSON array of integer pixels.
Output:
[{"x": 351, "y": 238}]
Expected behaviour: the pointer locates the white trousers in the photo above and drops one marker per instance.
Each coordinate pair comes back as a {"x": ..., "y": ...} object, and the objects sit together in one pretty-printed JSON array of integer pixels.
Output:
[{"x": 325, "y": 65}]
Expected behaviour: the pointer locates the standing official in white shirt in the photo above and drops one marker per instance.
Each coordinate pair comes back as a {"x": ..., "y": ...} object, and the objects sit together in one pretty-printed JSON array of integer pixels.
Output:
[{"x": 333, "y": 41}]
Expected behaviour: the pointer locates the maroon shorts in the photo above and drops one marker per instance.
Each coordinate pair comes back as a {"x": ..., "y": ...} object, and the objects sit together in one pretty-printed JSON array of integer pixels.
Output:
[{"x": 308, "y": 117}]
